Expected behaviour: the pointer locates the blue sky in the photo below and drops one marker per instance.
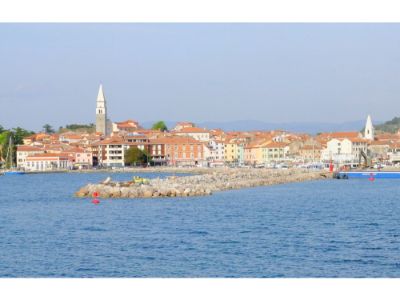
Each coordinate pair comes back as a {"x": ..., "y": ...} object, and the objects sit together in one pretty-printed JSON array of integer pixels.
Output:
[{"x": 201, "y": 72}]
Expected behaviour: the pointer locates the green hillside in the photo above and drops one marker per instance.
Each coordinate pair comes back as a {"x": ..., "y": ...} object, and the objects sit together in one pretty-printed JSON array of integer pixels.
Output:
[
  {"x": 391, "y": 126},
  {"x": 79, "y": 128}
]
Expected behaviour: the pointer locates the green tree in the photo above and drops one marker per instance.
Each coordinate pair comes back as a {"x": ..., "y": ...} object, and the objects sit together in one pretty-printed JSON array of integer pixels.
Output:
[
  {"x": 4, "y": 136},
  {"x": 19, "y": 134},
  {"x": 389, "y": 126},
  {"x": 1, "y": 129},
  {"x": 135, "y": 156},
  {"x": 89, "y": 128},
  {"x": 48, "y": 128},
  {"x": 160, "y": 125}
]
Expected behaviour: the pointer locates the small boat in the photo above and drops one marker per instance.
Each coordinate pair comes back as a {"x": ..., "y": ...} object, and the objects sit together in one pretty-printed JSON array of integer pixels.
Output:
[
  {"x": 13, "y": 172},
  {"x": 140, "y": 180}
]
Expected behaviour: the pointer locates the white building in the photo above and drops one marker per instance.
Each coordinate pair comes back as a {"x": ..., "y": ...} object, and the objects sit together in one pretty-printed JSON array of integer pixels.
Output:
[
  {"x": 394, "y": 153},
  {"x": 47, "y": 162},
  {"x": 23, "y": 152},
  {"x": 194, "y": 132},
  {"x": 216, "y": 153},
  {"x": 344, "y": 150},
  {"x": 111, "y": 152}
]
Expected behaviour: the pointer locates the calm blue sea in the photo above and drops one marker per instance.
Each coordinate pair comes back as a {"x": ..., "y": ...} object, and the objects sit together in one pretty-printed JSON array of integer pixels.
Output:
[{"x": 333, "y": 228}]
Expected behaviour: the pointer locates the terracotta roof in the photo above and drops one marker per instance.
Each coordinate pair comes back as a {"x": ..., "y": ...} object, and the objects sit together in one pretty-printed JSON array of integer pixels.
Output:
[
  {"x": 381, "y": 142},
  {"x": 394, "y": 146},
  {"x": 73, "y": 136},
  {"x": 344, "y": 134},
  {"x": 310, "y": 147},
  {"x": 128, "y": 124},
  {"x": 175, "y": 140},
  {"x": 275, "y": 145},
  {"x": 192, "y": 130},
  {"x": 41, "y": 155},
  {"x": 185, "y": 123},
  {"x": 257, "y": 143},
  {"x": 28, "y": 148},
  {"x": 358, "y": 140}
]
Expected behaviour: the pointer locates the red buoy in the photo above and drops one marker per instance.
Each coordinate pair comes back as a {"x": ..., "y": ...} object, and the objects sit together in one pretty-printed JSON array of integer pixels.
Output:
[
  {"x": 371, "y": 178},
  {"x": 95, "y": 194},
  {"x": 96, "y": 201}
]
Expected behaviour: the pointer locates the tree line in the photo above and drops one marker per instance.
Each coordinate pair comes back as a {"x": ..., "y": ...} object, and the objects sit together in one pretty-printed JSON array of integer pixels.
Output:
[{"x": 17, "y": 134}]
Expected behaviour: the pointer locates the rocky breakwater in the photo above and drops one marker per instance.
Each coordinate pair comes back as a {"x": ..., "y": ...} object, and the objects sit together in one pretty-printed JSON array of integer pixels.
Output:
[{"x": 197, "y": 185}]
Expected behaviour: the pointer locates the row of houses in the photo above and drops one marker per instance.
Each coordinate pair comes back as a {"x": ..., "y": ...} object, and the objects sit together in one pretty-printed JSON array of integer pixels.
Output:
[{"x": 188, "y": 145}]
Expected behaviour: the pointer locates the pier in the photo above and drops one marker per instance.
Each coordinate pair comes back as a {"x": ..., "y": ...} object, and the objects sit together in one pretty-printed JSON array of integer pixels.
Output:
[
  {"x": 367, "y": 174},
  {"x": 198, "y": 185}
]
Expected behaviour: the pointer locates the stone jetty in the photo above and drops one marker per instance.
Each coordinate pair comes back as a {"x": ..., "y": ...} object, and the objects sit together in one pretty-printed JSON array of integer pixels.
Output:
[{"x": 206, "y": 183}]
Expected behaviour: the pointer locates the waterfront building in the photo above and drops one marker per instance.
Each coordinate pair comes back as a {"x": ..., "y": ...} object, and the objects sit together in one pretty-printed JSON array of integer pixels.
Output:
[
  {"x": 274, "y": 152},
  {"x": 182, "y": 151},
  {"x": 81, "y": 159},
  {"x": 156, "y": 150},
  {"x": 394, "y": 153},
  {"x": 344, "y": 150},
  {"x": 234, "y": 151},
  {"x": 379, "y": 150},
  {"x": 102, "y": 123},
  {"x": 231, "y": 151},
  {"x": 110, "y": 152},
  {"x": 23, "y": 151},
  {"x": 310, "y": 153},
  {"x": 216, "y": 155},
  {"x": 48, "y": 162},
  {"x": 253, "y": 152},
  {"x": 369, "y": 132}
]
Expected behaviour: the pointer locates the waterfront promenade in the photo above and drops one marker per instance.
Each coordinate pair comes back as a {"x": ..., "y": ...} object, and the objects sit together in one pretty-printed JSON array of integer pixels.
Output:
[{"x": 204, "y": 181}]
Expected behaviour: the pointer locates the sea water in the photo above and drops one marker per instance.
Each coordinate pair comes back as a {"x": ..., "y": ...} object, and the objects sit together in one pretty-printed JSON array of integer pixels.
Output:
[{"x": 327, "y": 228}]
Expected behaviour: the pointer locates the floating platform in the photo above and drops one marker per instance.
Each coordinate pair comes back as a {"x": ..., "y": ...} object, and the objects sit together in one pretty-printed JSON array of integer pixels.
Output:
[{"x": 367, "y": 174}]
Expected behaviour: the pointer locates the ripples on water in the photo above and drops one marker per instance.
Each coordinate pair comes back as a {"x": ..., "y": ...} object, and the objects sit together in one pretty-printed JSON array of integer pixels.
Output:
[{"x": 334, "y": 228}]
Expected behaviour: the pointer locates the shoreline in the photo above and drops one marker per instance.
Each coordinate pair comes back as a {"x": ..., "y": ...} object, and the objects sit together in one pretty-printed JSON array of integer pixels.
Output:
[{"x": 199, "y": 184}]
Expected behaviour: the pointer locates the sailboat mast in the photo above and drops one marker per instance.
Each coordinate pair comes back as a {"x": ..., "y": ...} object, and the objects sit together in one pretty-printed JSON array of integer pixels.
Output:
[{"x": 9, "y": 155}]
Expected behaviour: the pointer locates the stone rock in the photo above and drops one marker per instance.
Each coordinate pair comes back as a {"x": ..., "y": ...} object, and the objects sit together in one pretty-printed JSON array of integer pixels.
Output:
[
  {"x": 107, "y": 180},
  {"x": 124, "y": 192},
  {"x": 147, "y": 193}
]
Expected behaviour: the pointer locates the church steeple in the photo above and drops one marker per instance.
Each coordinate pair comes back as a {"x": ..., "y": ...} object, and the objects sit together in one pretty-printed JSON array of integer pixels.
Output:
[
  {"x": 100, "y": 95},
  {"x": 369, "y": 132},
  {"x": 101, "y": 112}
]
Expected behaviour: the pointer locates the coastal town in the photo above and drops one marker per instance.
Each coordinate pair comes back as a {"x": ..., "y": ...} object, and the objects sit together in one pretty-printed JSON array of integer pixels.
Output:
[{"x": 187, "y": 145}]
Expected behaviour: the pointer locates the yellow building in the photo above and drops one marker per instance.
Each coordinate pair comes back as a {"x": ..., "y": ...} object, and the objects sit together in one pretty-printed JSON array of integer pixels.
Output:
[
  {"x": 231, "y": 151},
  {"x": 253, "y": 152},
  {"x": 274, "y": 152}
]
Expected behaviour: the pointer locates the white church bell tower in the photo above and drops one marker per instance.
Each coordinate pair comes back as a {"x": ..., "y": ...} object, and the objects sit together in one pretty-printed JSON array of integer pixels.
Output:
[
  {"x": 369, "y": 132},
  {"x": 101, "y": 112}
]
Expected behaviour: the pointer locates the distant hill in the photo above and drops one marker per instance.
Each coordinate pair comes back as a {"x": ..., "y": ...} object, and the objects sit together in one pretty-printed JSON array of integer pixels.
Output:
[
  {"x": 391, "y": 126},
  {"x": 247, "y": 125},
  {"x": 79, "y": 128}
]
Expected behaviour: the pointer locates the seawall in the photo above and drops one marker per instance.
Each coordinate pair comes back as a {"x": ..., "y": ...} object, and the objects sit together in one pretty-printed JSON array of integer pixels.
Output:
[{"x": 197, "y": 185}]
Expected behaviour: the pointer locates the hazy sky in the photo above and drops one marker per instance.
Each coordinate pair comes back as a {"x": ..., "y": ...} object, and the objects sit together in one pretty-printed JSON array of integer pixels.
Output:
[{"x": 50, "y": 73}]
